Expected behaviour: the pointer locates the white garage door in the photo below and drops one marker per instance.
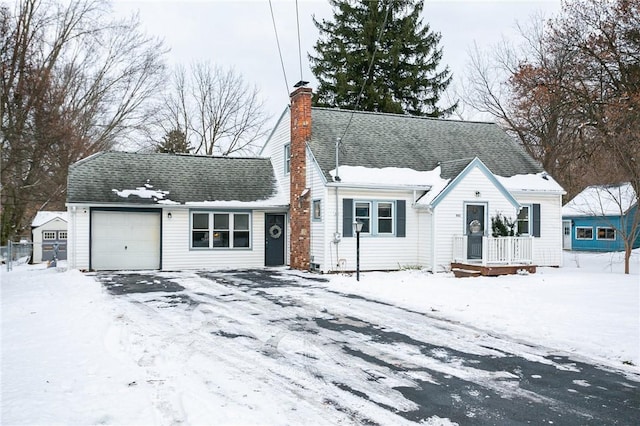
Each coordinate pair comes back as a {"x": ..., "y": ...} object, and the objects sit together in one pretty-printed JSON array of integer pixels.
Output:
[{"x": 125, "y": 240}]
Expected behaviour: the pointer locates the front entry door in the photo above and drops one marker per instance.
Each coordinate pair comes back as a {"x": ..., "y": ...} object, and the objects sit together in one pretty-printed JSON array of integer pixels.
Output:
[
  {"x": 475, "y": 230},
  {"x": 274, "y": 239}
]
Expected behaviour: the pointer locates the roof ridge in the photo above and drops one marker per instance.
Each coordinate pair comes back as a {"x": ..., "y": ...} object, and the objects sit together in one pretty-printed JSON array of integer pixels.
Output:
[
  {"x": 390, "y": 114},
  {"x": 180, "y": 154}
]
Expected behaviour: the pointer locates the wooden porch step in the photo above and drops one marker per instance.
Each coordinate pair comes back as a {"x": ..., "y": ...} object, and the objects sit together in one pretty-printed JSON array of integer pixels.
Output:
[
  {"x": 491, "y": 270},
  {"x": 464, "y": 273}
]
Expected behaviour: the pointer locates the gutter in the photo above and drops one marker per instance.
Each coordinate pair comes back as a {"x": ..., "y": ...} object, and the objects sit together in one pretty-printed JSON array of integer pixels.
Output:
[{"x": 379, "y": 187}]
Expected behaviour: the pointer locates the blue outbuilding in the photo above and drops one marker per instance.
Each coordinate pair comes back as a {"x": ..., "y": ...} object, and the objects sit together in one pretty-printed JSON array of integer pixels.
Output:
[{"x": 601, "y": 218}]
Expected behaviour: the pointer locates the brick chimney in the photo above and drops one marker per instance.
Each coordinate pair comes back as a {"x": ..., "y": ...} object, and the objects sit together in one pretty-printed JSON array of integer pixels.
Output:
[{"x": 299, "y": 214}]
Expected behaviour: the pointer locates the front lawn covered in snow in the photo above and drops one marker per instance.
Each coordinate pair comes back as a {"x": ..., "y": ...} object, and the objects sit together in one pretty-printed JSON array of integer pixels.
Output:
[{"x": 74, "y": 354}]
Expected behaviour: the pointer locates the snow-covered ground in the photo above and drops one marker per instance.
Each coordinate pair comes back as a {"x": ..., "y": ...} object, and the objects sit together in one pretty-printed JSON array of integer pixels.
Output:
[{"x": 74, "y": 354}]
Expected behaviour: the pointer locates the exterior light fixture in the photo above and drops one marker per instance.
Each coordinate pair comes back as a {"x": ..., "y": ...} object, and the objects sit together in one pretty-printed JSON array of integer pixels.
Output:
[
  {"x": 357, "y": 226},
  {"x": 169, "y": 215}
]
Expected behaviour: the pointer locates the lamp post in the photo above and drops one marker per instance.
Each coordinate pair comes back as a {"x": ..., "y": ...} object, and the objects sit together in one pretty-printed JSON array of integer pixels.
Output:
[{"x": 357, "y": 225}]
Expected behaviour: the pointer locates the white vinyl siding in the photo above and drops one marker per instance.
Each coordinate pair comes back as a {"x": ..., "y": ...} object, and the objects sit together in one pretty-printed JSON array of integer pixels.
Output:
[
  {"x": 178, "y": 254},
  {"x": 449, "y": 213},
  {"x": 375, "y": 253},
  {"x": 274, "y": 149},
  {"x": 547, "y": 249},
  {"x": 78, "y": 241},
  {"x": 320, "y": 233}
]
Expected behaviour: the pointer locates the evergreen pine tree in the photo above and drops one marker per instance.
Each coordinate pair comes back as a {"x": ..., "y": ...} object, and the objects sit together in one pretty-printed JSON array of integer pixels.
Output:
[
  {"x": 174, "y": 142},
  {"x": 404, "y": 76}
]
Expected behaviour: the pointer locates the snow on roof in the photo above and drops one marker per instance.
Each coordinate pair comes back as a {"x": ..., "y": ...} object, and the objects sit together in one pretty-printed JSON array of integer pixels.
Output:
[
  {"x": 539, "y": 182},
  {"x": 610, "y": 200},
  {"x": 43, "y": 217},
  {"x": 388, "y": 176},
  {"x": 145, "y": 191}
]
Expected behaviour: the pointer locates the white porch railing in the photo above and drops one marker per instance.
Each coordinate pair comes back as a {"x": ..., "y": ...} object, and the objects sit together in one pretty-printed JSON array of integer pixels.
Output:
[{"x": 496, "y": 250}]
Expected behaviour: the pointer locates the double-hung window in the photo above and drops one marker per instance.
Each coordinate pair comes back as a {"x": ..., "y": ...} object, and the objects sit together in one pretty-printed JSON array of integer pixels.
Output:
[
  {"x": 287, "y": 158},
  {"x": 363, "y": 214},
  {"x": 523, "y": 222},
  {"x": 385, "y": 218},
  {"x": 220, "y": 230}
]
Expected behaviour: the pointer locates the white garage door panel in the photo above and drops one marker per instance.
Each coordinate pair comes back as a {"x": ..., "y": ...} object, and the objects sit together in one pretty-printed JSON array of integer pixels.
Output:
[{"x": 125, "y": 240}]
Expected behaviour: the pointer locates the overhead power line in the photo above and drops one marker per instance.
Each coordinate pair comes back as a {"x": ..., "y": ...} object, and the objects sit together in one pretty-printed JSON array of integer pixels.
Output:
[{"x": 275, "y": 30}]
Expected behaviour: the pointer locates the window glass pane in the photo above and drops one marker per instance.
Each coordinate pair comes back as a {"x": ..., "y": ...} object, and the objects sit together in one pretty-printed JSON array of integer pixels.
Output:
[
  {"x": 49, "y": 235},
  {"x": 220, "y": 221},
  {"x": 200, "y": 221},
  {"x": 241, "y": 222},
  {"x": 365, "y": 225},
  {"x": 200, "y": 238},
  {"x": 385, "y": 226},
  {"x": 362, "y": 209},
  {"x": 384, "y": 210},
  {"x": 241, "y": 239},
  {"x": 62, "y": 235},
  {"x": 221, "y": 238},
  {"x": 317, "y": 211}
]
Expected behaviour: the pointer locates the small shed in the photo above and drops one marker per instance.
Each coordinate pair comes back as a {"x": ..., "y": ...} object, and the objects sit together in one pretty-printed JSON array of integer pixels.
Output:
[
  {"x": 49, "y": 233},
  {"x": 600, "y": 217}
]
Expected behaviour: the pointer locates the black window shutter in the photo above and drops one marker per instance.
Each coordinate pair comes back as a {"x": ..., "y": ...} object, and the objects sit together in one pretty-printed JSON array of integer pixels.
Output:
[
  {"x": 347, "y": 217},
  {"x": 401, "y": 221},
  {"x": 536, "y": 220}
]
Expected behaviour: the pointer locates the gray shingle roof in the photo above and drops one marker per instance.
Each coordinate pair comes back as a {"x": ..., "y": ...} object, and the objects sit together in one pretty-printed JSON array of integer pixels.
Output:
[
  {"x": 377, "y": 140},
  {"x": 186, "y": 178}
]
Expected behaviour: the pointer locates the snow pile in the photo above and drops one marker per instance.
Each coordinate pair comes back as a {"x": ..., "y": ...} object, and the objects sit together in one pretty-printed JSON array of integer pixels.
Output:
[{"x": 601, "y": 201}]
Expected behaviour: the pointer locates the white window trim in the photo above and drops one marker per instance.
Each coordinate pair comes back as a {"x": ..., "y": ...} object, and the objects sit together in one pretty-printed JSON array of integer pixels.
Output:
[
  {"x": 373, "y": 217},
  {"x": 581, "y": 238},
  {"x": 231, "y": 230},
  {"x": 615, "y": 236},
  {"x": 529, "y": 219}
]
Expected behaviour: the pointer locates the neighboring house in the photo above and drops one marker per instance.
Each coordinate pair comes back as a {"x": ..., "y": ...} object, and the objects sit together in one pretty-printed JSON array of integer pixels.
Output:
[
  {"x": 424, "y": 189},
  {"x": 165, "y": 211},
  {"x": 600, "y": 217},
  {"x": 49, "y": 235}
]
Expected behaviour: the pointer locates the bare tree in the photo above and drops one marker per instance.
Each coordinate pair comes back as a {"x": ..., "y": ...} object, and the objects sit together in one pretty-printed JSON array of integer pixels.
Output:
[
  {"x": 74, "y": 81},
  {"x": 219, "y": 112}
]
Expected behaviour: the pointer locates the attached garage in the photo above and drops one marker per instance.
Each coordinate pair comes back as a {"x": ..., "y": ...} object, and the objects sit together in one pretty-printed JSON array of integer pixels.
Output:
[{"x": 125, "y": 239}]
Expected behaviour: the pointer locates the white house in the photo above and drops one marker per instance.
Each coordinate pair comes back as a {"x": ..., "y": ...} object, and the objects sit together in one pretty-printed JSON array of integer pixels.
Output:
[
  {"x": 424, "y": 189},
  {"x": 49, "y": 236}
]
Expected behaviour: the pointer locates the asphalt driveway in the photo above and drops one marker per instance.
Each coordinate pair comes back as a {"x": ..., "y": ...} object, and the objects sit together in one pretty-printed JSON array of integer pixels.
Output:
[{"x": 370, "y": 360}]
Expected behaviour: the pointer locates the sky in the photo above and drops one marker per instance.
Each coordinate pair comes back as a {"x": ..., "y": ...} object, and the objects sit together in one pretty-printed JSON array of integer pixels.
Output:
[{"x": 240, "y": 34}]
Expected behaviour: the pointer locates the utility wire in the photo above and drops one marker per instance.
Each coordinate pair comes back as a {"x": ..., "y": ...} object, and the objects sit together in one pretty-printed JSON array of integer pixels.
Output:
[
  {"x": 364, "y": 82},
  {"x": 299, "y": 48},
  {"x": 275, "y": 30}
]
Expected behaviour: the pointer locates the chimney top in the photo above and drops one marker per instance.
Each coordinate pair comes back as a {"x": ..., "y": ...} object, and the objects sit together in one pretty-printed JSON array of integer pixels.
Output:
[{"x": 301, "y": 83}]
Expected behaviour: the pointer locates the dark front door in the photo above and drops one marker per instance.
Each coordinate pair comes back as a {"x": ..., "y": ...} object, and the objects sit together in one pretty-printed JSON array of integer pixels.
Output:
[
  {"x": 274, "y": 240},
  {"x": 475, "y": 230}
]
